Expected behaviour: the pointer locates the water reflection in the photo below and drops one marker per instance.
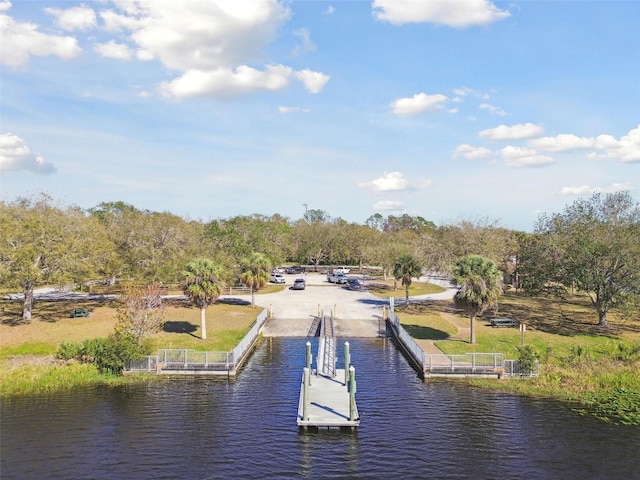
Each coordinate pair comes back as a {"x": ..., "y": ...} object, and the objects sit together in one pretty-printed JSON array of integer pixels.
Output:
[{"x": 210, "y": 428}]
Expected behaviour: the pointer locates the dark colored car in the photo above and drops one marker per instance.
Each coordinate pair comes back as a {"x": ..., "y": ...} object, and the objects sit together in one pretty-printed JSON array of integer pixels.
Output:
[
  {"x": 299, "y": 284},
  {"x": 79, "y": 312},
  {"x": 295, "y": 269},
  {"x": 354, "y": 284}
]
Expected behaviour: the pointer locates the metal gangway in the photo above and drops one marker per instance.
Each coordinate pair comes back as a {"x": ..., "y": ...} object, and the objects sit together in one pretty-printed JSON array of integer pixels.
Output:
[{"x": 326, "y": 360}]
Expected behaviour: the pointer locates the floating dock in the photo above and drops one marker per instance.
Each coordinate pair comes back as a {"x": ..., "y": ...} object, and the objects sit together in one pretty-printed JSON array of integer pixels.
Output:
[
  {"x": 329, "y": 403},
  {"x": 328, "y": 396}
]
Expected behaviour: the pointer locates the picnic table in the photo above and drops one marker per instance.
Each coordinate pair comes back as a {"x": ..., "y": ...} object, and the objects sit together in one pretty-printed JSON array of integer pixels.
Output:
[{"x": 502, "y": 322}]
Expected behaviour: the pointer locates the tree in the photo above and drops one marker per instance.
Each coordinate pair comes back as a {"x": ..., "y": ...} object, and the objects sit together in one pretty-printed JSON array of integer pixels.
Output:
[
  {"x": 43, "y": 243},
  {"x": 255, "y": 273},
  {"x": 405, "y": 268},
  {"x": 591, "y": 246},
  {"x": 480, "y": 284},
  {"x": 142, "y": 312},
  {"x": 202, "y": 286}
]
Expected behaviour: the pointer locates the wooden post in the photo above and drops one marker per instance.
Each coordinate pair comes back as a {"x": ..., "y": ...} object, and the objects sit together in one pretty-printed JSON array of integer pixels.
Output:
[
  {"x": 305, "y": 395},
  {"x": 352, "y": 393},
  {"x": 347, "y": 363},
  {"x": 523, "y": 329}
]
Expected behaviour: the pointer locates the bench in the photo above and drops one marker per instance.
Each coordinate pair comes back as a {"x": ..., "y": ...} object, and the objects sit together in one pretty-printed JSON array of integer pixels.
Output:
[{"x": 502, "y": 322}]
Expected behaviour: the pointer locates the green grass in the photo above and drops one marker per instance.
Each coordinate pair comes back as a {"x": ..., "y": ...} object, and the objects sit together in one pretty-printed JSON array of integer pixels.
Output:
[
  {"x": 596, "y": 369},
  {"x": 424, "y": 323},
  {"x": 416, "y": 288},
  {"x": 36, "y": 349},
  {"x": 29, "y": 379}
]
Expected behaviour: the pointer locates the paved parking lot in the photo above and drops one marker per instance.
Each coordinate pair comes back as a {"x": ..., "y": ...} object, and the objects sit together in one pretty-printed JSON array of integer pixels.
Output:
[{"x": 358, "y": 314}]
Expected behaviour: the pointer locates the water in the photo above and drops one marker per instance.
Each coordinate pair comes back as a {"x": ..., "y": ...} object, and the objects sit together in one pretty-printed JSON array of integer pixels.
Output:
[{"x": 246, "y": 428}]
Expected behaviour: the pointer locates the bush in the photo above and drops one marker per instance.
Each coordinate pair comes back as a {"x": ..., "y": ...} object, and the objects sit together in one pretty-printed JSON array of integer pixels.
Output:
[
  {"x": 527, "y": 358},
  {"x": 118, "y": 348},
  {"x": 108, "y": 354},
  {"x": 69, "y": 351}
]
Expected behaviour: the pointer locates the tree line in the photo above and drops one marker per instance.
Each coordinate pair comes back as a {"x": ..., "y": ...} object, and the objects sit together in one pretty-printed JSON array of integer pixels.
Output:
[{"x": 591, "y": 246}]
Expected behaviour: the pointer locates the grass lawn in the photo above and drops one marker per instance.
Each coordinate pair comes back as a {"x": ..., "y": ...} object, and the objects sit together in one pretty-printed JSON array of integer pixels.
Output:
[
  {"x": 384, "y": 289},
  {"x": 51, "y": 325},
  {"x": 425, "y": 322},
  {"x": 554, "y": 328},
  {"x": 596, "y": 368}
]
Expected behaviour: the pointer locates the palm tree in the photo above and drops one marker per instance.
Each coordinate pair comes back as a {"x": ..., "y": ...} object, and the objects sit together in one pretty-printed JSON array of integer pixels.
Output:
[
  {"x": 405, "y": 268},
  {"x": 480, "y": 284},
  {"x": 203, "y": 286},
  {"x": 255, "y": 273}
]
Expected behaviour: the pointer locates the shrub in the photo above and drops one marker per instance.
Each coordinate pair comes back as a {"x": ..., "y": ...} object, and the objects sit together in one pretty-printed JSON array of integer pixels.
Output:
[
  {"x": 527, "y": 358},
  {"x": 118, "y": 348},
  {"x": 69, "y": 351}
]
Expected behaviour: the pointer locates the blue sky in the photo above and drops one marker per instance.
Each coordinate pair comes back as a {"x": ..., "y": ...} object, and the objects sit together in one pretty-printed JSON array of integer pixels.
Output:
[{"x": 450, "y": 110}]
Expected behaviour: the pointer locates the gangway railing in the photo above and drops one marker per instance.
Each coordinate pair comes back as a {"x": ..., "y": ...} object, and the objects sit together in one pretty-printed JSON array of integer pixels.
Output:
[{"x": 326, "y": 360}]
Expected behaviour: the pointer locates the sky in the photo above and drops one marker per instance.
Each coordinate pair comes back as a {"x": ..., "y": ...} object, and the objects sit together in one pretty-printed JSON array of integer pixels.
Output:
[{"x": 446, "y": 109}]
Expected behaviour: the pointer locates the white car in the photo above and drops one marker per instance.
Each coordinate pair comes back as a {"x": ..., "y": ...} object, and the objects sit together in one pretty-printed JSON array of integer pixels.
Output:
[
  {"x": 277, "y": 278},
  {"x": 342, "y": 270},
  {"x": 277, "y": 270}
]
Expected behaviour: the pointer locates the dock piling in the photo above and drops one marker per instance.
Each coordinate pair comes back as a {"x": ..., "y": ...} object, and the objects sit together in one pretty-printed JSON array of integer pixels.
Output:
[
  {"x": 352, "y": 393},
  {"x": 305, "y": 397},
  {"x": 347, "y": 363}
]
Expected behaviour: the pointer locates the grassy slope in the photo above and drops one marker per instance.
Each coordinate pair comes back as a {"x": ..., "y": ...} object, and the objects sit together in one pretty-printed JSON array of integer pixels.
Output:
[
  {"x": 27, "y": 363},
  {"x": 582, "y": 363}
]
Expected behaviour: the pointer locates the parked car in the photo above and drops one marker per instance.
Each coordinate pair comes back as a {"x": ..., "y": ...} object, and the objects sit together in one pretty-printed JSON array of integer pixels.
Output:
[
  {"x": 295, "y": 269},
  {"x": 354, "y": 284},
  {"x": 342, "y": 270},
  {"x": 336, "y": 278},
  {"x": 79, "y": 312},
  {"x": 277, "y": 270},
  {"x": 277, "y": 278},
  {"x": 299, "y": 284}
]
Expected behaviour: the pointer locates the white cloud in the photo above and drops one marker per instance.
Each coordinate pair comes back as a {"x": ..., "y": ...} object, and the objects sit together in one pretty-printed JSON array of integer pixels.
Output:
[
  {"x": 627, "y": 149},
  {"x": 419, "y": 103},
  {"x": 458, "y": 13},
  {"x": 5, "y": 5},
  {"x": 329, "y": 10},
  {"x": 313, "y": 81},
  {"x": 75, "y": 18},
  {"x": 514, "y": 132},
  {"x": 524, "y": 157},
  {"x": 389, "y": 205},
  {"x": 225, "y": 82},
  {"x": 493, "y": 110},
  {"x": 111, "y": 49},
  {"x": 472, "y": 153},
  {"x": 213, "y": 45},
  {"x": 15, "y": 155},
  {"x": 284, "y": 110},
  {"x": 197, "y": 35},
  {"x": 562, "y": 143},
  {"x": 389, "y": 182},
  {"x": 20, "y": 40},
  {"x": 306, "y": 45},
  {"x": 425, "y": 183},
  {"x": 465, "y": 91},
  {"x": 587, "y": 190}
]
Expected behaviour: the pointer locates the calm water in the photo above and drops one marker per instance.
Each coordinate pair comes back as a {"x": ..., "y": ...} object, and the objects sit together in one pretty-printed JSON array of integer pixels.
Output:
[{"x": 212, "y": 428}]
